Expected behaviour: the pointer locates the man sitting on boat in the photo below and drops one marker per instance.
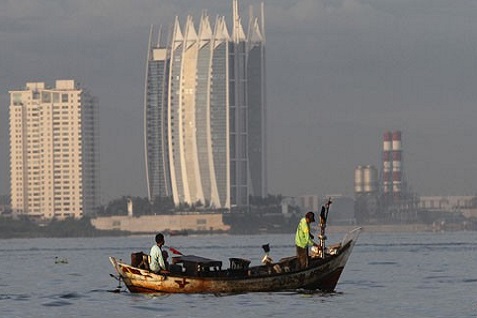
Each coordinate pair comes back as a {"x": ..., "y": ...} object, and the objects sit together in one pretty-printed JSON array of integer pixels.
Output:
[
  {"x": 165, "y": 257},
  {"x": 303, "y": 239},
  {"x": 157, "y": 263}
]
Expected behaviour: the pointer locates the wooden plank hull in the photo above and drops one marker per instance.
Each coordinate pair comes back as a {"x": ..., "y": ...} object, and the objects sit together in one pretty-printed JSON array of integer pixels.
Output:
[{"x": 322, "y": 274}]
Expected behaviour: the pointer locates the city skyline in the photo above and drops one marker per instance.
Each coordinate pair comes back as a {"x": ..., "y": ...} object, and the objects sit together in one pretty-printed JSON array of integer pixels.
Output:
[{"x": 338, "y": 75}]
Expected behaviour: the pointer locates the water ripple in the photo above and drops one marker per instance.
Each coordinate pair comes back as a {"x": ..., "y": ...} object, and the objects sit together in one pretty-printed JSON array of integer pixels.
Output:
[
  {"x": 71, "y": 296},
  {"x": 383, "y": 263},
  {"x": 20, "y": 297},
  {"x": 57, "y": 303},
  {"x": 470, "y": 280}
]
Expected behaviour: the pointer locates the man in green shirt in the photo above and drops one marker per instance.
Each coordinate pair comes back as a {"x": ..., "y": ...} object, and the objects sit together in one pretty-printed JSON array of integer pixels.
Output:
[{"x": 303, "y": 239}]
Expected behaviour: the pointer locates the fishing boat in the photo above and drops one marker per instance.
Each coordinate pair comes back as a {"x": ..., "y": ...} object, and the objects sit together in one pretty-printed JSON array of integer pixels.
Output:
[{"x": 195, "y": 274}]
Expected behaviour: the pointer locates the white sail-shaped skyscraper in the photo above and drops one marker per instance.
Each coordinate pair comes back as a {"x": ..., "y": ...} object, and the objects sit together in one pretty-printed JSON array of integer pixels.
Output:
[{"x": 205, "y": 113}]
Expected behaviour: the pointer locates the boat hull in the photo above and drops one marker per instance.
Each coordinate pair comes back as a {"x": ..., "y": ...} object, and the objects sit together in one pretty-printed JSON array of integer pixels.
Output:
[{"x": 322, "y": 274}]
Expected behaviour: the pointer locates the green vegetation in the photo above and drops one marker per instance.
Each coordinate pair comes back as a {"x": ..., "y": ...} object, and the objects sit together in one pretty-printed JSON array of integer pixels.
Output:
[
  {"x": 28, "y": 228},
  {"x": 24, "y": 228},
  {"x": 142, "y": 206}
]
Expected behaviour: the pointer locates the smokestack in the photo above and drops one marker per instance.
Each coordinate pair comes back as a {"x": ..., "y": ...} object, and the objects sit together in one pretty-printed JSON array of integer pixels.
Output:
[
  {"x": 387, "y": 167},
  {"x": 397, "y": 163}
]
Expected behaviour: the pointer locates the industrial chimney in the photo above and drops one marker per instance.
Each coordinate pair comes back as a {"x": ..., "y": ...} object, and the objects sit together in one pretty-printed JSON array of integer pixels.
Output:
[
  {"x": 397, "y": 165},
  {"x": 387, "y": 163}
]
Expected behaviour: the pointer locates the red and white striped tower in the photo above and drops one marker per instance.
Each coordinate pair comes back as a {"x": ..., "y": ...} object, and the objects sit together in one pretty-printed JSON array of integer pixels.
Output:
[
  {"x": 387, "y": 167},
  {"x": 397, "y": 164}
]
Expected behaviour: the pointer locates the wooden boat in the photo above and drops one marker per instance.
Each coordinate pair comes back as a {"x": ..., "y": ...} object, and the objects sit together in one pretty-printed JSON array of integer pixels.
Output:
[{"x": 194, "y": 274}]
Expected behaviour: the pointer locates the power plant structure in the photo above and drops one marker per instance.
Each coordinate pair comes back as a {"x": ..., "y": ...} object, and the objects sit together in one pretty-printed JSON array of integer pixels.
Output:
[
  {"x": 366, "y": 188},
  {"x": 392, "y": 174},
  {"x": 385, "y": 198}
]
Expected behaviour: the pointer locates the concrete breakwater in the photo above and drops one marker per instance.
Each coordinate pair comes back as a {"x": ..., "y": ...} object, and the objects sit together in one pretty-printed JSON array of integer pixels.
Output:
[{"x": 194, "y": 222}]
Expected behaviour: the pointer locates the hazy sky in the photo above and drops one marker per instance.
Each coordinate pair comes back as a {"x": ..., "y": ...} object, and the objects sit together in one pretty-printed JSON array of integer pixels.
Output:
[{"x": 340, "y": 73}]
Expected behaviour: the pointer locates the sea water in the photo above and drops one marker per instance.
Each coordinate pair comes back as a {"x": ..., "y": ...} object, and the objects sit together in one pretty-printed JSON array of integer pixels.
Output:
[{"x": 388, "y": 275}]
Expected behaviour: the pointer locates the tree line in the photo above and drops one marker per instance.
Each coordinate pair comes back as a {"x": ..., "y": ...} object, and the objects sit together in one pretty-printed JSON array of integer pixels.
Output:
[
  {"x": 165, "y": 205},
  {"x": 25, "y": 228}
]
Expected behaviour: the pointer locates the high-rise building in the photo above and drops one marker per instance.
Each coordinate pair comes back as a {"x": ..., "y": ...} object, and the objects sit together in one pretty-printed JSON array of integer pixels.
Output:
[
  {"x": 54, "y": 153},
  {"x": 205, "y": 113}
]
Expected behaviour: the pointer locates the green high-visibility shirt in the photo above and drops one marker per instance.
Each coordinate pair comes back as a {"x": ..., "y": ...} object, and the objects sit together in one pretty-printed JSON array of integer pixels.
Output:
[{"x": 302, "y": 237}]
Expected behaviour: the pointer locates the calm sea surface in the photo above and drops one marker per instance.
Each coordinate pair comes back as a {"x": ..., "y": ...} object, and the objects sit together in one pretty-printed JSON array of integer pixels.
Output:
[{"x": 388, "y": 275}]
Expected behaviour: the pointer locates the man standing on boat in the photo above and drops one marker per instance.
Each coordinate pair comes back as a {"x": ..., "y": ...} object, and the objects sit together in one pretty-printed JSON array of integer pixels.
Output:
[
  {"x": 303, "y": 239},
  {"x": 156, "y": 263}
]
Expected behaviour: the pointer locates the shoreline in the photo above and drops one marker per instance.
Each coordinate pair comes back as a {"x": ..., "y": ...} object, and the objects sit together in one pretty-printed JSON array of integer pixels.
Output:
[{"x": 384, "y": 228}]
